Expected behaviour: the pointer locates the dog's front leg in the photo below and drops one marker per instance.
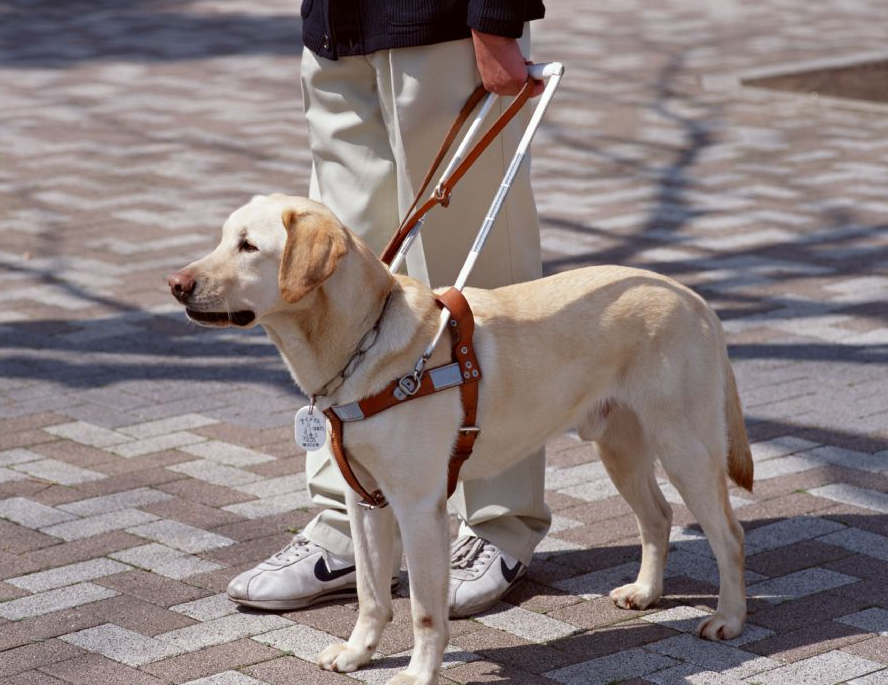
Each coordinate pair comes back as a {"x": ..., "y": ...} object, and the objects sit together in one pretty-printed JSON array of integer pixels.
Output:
[
  {"x": 373, "y": 538},
  {"x": 424, "y": 532}
]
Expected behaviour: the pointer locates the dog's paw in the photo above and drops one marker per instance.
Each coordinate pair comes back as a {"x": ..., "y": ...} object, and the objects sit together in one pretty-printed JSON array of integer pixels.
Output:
[
  {"x": 634, "y": 596},
  {"x": 342, "y": 658},
  {"x": 719, "y": 627},
  {"x": 404, "y": 678}
]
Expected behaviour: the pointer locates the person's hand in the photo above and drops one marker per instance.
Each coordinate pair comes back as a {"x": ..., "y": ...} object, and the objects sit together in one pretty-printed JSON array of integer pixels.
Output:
[{"x": 502, "y": 67}]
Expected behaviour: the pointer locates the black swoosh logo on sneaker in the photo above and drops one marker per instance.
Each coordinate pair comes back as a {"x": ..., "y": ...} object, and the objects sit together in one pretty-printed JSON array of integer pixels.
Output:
[
  {"x": 509, "y": 573},
  {"x": 323, "y": 572}
]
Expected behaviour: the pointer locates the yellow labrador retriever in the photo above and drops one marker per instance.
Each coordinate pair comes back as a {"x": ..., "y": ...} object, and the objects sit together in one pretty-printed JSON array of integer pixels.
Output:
[{"x": 633, "y": 360}]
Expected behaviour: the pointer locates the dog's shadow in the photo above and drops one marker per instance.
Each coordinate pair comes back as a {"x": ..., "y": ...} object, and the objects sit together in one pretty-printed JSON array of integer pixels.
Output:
[{"x": 826, "y": 590}]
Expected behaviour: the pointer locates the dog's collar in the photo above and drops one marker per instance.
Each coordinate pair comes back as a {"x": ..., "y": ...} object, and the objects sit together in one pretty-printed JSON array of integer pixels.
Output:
[{"x": 364, "y": 344}]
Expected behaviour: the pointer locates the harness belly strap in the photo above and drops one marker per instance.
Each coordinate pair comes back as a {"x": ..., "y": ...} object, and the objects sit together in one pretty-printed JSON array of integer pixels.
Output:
[{"x": 463, "y": 371}]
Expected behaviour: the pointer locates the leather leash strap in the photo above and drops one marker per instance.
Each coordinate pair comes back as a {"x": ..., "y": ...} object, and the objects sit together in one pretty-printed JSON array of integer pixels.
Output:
[
  {"x": 447, "y": 185},
  {"x": 462, "y": 371}
]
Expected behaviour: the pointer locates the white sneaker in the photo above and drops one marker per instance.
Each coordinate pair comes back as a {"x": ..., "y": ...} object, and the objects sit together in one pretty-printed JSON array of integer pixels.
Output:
[
  {"x": 300, "y": 575},
  {"x": 480, "y": 574}
]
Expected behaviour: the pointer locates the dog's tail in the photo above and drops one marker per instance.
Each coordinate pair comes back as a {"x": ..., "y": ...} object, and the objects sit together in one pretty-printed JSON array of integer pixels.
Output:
[{"x": 740, "y": 466}]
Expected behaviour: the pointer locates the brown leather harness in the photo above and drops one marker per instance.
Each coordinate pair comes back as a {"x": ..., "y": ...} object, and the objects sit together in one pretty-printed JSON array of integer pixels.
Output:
[{"x": 463, "y": 370}]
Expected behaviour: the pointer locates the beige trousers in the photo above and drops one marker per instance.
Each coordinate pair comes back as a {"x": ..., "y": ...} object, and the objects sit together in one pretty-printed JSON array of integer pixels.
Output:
[{"x": 375, "y": 122}]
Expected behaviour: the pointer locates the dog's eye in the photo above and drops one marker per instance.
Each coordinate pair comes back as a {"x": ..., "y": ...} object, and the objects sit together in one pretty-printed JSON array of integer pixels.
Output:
[{"x": 246, "y": 246}]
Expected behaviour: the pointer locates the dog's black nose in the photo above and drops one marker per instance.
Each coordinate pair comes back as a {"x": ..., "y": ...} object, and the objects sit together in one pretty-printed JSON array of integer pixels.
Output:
[{"x": 181, "y": 284}]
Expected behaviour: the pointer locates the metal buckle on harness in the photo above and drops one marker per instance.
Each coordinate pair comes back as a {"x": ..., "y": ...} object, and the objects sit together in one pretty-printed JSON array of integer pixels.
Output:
[
  {"x": 469, "y": 429},
  {"x": 407, "y": 386}
]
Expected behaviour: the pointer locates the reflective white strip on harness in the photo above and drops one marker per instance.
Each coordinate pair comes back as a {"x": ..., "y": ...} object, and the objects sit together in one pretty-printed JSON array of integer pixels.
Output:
[{"x": 442, "y": 377}]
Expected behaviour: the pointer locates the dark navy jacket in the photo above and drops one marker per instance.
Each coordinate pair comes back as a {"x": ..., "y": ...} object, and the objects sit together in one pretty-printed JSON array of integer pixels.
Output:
[{"x": 336, "y": 28}]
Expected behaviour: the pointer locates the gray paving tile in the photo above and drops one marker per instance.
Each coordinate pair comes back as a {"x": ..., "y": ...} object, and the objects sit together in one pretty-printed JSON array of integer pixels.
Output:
[
  {"x": 226, "y": 453},
  {"x": 873, "y": 620},
  {"x": 625, "y": 665},
  {"x": 54, "y": 600},
  {"x": 302, "y": 640},
  {"x": 713, "y": 656},
  {"x": 32, "y": 514},
  {"x": 67, "y": 575},
  {"x": 126, "y": 499},
  {"x": 165, "y": 561},
  {"x": 57, "y": 471},
  {"x": 181, "y": 536},
  {"x": 851, "y": 494},
  {"x": 823, "y": 669},
  {"x": 799, "y": 584},
  {"x": 226, "y": 678},
  {"x": 529, "y": 625},
  {"x": 208, "y": 608},
  {"x": 96, "y": 525},
  {"x": 122, "y": 645},
  {"x": 224, "y": 629}
]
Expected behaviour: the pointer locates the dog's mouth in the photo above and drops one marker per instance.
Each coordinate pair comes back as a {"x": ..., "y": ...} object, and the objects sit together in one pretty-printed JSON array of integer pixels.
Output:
[{"x": 242, "y": 318}]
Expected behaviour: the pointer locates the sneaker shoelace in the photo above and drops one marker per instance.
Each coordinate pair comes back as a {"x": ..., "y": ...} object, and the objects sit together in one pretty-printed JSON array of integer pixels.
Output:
[
  {"x": 470, "y": 555},
  {"x": 298, "y": 547}
]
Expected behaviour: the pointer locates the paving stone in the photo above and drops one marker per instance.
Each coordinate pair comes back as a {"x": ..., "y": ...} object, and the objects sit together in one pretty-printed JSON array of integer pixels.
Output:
[
  {"x": 225, "y": 678},
  {"x": 217, "y": 474},
  {"x": 181, "y": 536},
  {"x": 799, "y": 584},
  {"x": 96, "y": 525},
  {"x": 34, "y": 656},
  {"x": 28, "y": 513},
  {"x": 615, "y": 667},
  {"x": 226, "y": 453},
  {"x": 207, "y": 608},
  {"x": 127, "y": 499},
  {"x": 784, "y": 533},
  {"x": 165, "y": 561},
  {"x": 691, "y": 674},
  {"x": 119, "y": 644},
  {"x": 714, "y": 656},
  {"x": 686, "y": 619},
  {"x": 824, "y": 669},
  {"x": 270, "y": 506},
  {"x": 54, "y": 600},
  {"x": 156, "y": 443},
  {"x": 87, "y": 434},
  {"x": 859, "y": 541},
  {"x": 849, "y": 494},
  {"x": 18, "y": 456},
  {"x": 150, "y": 429},
  {"x": 300, "y": 640},
  {"x": 878, "y": 678},
  {"x": 526, "y": 624},
  {"x": 89, "y": 669},
  {"x": 57, "y": 471},
  {"x": 874, "y": 620},
  {"x": 224, "y": 629},
  {"x": 67, "y": 575}
]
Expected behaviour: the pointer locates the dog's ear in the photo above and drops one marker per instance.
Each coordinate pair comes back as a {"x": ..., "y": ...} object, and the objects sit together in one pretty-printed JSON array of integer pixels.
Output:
[{"x": 314, "y": 246}]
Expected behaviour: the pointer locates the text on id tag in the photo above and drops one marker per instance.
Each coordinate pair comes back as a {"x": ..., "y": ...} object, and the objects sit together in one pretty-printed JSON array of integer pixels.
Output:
[{"x": 311, "y": 429}]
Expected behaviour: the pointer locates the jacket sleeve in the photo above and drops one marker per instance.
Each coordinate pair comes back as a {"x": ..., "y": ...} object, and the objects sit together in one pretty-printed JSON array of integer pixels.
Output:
[{"x": 499, "y": 17}]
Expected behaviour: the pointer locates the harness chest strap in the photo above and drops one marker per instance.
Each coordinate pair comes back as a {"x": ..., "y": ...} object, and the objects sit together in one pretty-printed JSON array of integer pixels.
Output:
[{"x": 463, "y": 371}]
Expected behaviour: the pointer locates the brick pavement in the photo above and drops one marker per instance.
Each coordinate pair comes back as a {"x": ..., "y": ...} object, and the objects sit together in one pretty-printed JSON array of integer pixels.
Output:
[{"x": 144, "y": 462}]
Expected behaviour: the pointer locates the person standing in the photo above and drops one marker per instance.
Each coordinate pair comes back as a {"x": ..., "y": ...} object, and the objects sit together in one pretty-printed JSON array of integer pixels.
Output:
[{"x": 382, "y": 80}]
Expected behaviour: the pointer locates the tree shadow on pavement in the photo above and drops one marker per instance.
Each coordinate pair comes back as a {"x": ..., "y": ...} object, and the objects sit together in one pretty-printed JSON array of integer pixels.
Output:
[{"x": 50, "y": 34}]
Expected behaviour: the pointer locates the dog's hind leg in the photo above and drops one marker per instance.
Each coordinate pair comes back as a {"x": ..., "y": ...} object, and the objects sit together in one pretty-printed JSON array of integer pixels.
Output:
[
  {"x": 698, "y": 473},
  {"x": 373, "y": 538},
  {"x": 630, "y": 463}
]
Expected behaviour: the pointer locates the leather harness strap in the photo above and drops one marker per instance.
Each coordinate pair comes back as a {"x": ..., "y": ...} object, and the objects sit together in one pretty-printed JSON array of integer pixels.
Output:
[
  {"x": 463, "y": 371},
  {"x": 447, "y": 185}
]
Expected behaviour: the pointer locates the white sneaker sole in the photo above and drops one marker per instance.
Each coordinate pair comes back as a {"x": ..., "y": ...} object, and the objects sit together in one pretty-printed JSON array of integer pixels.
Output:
[{"x": 348, "y": 591}]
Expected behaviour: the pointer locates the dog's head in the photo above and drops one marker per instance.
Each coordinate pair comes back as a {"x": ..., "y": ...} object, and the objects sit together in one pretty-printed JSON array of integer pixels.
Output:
[{"x": 275, "y": 251}]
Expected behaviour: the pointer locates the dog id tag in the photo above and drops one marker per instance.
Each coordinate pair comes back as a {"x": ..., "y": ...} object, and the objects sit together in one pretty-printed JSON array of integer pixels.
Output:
[{"x": 311, "y": 429}]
